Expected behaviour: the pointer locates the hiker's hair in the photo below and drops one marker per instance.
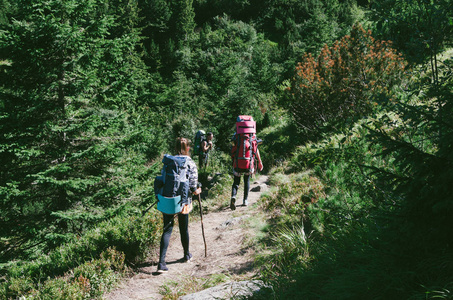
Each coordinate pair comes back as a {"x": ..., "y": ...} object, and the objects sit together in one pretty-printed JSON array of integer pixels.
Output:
[
  {"x": 209, "y": 133},
  {"x": 182, "y": 146}
]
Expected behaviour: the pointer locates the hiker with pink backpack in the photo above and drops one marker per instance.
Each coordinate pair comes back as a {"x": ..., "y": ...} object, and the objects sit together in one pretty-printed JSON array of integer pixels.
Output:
[{"x": 245, "y": 155}]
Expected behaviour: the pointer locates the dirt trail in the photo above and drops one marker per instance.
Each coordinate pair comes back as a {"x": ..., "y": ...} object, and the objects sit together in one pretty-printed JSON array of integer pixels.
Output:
[{"x": 225, "y": 237}]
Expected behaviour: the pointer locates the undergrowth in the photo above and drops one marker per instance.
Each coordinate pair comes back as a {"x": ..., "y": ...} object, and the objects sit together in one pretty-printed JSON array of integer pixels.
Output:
[
  {"x": 90, "y": 265},
  {"x": 87, "y": 266},
  {"x": 334, "y": 228}
]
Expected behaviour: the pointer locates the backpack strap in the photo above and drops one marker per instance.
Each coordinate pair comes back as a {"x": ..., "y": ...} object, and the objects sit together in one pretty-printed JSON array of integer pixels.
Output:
[
  {"x": 252, "y": 139},
  {"x": 236, "y": 157},
  {"x": 254, "y": 147},
  {"x": 203, "y": 139}
]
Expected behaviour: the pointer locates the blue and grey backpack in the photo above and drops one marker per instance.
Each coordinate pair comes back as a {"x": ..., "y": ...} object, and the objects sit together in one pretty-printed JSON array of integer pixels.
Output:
[{"x": 172, "y": 186}]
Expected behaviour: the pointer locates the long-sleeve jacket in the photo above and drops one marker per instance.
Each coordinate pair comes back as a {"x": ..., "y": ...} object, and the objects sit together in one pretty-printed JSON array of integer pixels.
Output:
[{"x": 192, "y": 173}]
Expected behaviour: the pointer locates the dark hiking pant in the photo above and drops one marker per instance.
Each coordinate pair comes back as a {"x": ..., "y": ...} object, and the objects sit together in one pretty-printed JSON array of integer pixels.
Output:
[
  {"x": 183, "y": 221},
  {"x": 203, "y": 160},
  {"x": 235, "y": 187}
]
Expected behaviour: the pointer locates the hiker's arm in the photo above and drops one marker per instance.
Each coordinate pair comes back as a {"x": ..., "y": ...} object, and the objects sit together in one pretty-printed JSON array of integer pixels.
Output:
[
  {"x": 260, "y": 163},
  {"x": 206, "y": 146},
  {"x": 193, "y": 176}
]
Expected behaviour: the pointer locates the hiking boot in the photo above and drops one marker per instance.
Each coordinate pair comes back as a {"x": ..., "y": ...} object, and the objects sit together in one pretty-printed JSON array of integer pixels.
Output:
[
  {"x": 245, "y": 203},
  {"x": 162, "y": 268},
  {"x": 188, "y": 257},
  {"x": 233, "y": 204}
]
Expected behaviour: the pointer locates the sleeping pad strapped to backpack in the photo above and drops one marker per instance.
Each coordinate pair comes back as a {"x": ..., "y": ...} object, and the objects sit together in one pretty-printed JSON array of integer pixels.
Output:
[
  {"x": 245, "y": 145},
  {"x": 172, "y": 186}
]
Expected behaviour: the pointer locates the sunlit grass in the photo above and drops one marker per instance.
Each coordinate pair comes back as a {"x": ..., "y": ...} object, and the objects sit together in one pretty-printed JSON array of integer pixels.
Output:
[{"x": 172, "y": 290}]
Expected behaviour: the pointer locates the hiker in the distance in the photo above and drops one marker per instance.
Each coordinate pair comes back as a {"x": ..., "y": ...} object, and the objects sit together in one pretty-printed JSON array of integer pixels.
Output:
[
  {"x": 205, "y": 147},
  {"x": 245, "y": 156},
  {"x": 182, "y": 150}
]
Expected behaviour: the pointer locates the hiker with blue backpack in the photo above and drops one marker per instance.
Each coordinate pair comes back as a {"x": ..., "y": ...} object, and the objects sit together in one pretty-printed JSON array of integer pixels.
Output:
[
  {"x": 174, "y": 189},
  {"x": 245, "y": 155}
]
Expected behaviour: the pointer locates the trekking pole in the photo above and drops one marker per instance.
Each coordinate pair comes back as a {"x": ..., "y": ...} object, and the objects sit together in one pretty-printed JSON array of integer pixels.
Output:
[
  {"x": 202, "y": 226},
  {"x": 146, "y": 210},
  {"x": 169, "y": 223}
]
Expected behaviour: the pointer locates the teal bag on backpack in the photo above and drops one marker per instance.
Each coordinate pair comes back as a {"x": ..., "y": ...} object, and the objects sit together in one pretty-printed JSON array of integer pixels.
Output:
[{"x": 169, "y": 205}]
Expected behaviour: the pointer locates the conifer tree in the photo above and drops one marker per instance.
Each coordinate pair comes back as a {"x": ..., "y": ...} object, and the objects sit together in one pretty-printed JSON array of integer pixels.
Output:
[
  {"x": 155, "y": 16},
  {"x": 65, "y": 83},
  {"x": 182, "y": 20}
]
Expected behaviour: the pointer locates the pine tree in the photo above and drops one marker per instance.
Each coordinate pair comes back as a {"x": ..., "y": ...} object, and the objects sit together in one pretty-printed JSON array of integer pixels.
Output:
[
  {"x": 182, "y": 20},
  {"x": 65, "y": 82}
]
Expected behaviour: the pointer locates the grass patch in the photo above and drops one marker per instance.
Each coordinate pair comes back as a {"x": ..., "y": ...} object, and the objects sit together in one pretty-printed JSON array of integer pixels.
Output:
[{"x": 172, "y": 290}]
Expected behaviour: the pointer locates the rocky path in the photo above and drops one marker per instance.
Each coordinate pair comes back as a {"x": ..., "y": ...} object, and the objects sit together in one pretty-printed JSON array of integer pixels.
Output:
[{"x": 228, "y": 250}]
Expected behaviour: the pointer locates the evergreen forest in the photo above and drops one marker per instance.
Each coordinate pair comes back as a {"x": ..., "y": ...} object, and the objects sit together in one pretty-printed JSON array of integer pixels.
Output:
[{"x": 353, "y": 99}]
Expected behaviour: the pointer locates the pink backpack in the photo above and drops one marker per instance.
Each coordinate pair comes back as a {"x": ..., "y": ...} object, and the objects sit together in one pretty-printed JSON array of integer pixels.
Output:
[
  {"x": 245, "y": 145},
  {"x": 245, "y": 124}
]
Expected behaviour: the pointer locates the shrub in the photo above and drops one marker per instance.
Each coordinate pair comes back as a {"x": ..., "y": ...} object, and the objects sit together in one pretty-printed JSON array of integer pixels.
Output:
[
  {"x": 131, "y": 237},
  {"x": 87, "y": 281},
  {"x": 295, "y": 193},
  {"x": 344, "y": 81}
]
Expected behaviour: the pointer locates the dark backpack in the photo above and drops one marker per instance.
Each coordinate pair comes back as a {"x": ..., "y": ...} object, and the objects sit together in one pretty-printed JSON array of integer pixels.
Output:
[
  {"x": 173, "y": 183},
  {"x": 200, "y": 136}
]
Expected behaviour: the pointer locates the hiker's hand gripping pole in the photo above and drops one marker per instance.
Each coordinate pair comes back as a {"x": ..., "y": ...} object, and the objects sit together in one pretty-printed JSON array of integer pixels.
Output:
[{"x": 201, "y": 216}]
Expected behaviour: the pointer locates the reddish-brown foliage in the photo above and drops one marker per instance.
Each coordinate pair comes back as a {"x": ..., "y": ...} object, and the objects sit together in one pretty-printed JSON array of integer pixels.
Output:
[{"x": 344, "y": 80}]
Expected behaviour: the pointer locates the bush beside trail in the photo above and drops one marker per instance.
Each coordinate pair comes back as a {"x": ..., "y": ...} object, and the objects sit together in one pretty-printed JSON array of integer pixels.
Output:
[{"x": 87, "y": 266}]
